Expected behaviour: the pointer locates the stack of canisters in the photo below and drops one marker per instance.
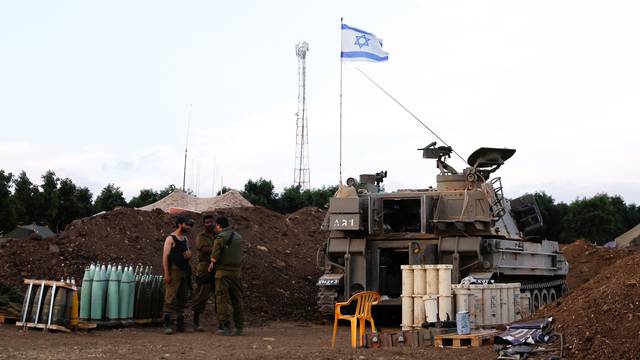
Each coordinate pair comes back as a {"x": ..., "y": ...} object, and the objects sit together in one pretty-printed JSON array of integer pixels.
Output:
[
  {"x": 426, "y": 294},
  {"x": 120, "y": 293},
  {"x": 489, "y": 304}
]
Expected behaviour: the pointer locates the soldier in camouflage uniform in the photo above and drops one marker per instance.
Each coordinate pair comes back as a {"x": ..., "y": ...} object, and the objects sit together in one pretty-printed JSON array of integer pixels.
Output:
[
  {"x": 204, "y": 278},
  {"x": 226, "y": 258}
]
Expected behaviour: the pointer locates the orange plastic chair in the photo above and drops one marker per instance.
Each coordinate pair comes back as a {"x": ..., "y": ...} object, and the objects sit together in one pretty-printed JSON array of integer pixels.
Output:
[{"x": 364, "y": 301}]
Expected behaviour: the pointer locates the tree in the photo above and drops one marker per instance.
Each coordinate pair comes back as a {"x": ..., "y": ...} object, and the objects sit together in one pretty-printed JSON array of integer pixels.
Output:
[
  {"x": 7, "y": 211},
  {"x": 260, "y": 192},
  {"x": 84, "y": 197},
  {"x": 166, "y": 191},
  {"x": 110, "y": 197},
  {"x": 149, "y": 196},
  {"x": 632, "y": 217},
  {"x": 224, "y": 190},
  {"x": 553, "y": 216},
  {"x": 48, "y": 199},
  {"x": 318, "y": 197},
  {"x": 598, "y": 219},
  {"x": 69, "y": 207},
  {"x": 146, "y": 197},
  {"x": 291, "y": 200},
  {"x": 24, "y": 199}
]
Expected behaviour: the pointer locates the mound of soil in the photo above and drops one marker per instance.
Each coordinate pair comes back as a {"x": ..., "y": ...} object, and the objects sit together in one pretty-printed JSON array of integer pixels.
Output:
[
  {"x": 601, "y": 319},
  {"x": 587, "y": 260},
  {"x": 279, "y": 270}
]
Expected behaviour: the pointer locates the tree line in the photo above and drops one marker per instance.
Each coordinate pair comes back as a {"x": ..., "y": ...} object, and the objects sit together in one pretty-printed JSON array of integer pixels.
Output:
[
  {"x": 262, "y": 192},
  {"x": 57, "y": 202},
  {"x": 598, "y": 219}
]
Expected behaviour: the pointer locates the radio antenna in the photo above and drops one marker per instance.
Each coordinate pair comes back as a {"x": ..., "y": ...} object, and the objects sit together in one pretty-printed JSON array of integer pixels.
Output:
[
  {"x": 186, "y": 146},
  {"x": 408, "y": 111}
]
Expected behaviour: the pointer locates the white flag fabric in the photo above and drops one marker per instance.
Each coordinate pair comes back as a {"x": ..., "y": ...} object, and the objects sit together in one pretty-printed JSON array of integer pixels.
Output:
[{"x": 360, "y": 45}]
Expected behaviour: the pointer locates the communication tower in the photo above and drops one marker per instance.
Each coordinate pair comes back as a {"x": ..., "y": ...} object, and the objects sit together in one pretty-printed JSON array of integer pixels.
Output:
[{"x": 301, "y": 173}]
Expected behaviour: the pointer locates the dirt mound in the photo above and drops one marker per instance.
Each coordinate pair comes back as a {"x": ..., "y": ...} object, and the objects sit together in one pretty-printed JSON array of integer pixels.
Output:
[
  {"x": 279, "y": 270},
  {"x": 308, "y": 221},
  {"x": 587, "y": 260},
  {"x": 120, "y": 236},
  {"x": 601, "y": 319}
]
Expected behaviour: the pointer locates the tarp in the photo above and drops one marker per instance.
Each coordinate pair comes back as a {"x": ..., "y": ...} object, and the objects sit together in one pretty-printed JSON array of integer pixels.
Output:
[
  {"x": 24, "y": 231},
  {"x": 182, "y": 201},
  {"x": 532, "y": 332},
  {"x": 631, "y": 237}
]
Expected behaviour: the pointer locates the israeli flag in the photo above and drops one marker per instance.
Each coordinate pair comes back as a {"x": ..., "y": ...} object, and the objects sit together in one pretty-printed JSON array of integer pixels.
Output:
[{"x": 359, "y": 45}]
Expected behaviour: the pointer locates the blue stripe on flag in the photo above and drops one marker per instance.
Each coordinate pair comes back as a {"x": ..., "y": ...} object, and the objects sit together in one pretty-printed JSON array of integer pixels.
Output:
[
  {"x": 345, "y": 26},
  {"x": 363, "y": 54}
]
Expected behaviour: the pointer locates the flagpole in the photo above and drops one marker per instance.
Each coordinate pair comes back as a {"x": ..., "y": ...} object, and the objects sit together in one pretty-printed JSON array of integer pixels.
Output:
[{"x": 340, "y": 101}]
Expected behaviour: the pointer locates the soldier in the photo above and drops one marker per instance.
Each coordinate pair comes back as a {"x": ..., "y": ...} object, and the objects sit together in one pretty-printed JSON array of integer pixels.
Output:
[
  {"x": 177, "y": 274},
  {"x": 204, "y": 278},
  {"x": 226, "y": 257}
]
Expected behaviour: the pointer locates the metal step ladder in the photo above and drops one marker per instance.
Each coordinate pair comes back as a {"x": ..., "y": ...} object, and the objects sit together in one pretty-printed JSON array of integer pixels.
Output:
[{"x": 497, "y": 207}]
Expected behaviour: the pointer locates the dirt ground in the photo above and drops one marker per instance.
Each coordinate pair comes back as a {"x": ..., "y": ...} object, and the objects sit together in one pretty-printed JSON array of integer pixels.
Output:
[
  {"x": 276, "y": 340},
  {"x": 601, "y": 319}
]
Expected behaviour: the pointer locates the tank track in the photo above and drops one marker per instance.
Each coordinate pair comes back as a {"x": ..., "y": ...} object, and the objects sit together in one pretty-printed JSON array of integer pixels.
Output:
[
  {"x": 542, "y": 285},
  {"x": 327, "y": 297},
  {"x": 544, "y": 292}
]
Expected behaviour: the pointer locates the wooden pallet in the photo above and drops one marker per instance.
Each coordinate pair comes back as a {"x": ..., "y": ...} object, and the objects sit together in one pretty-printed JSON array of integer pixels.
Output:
[
  {"x": 105, "y": 324},
  {"x": 147, "y": 321},
  {"x": 49, "y": 283},
  {"x": 84, "y": 325},
  {"x": 43, "y": 326},
  {"x": 456, "y": 341}
]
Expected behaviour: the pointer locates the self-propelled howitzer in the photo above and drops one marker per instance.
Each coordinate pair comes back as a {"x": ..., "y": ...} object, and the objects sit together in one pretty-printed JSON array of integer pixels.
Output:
[{"x": 464, "y": 221}]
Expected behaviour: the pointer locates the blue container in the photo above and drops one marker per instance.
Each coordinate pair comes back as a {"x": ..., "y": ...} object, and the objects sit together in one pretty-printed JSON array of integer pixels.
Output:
[{"x": 462, "y": 323}]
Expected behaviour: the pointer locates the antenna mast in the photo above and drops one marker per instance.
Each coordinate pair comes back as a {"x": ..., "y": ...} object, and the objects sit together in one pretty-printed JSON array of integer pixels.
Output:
[
  {"x": 301, "y": 173},
  {"x": 186, "y": 146}
]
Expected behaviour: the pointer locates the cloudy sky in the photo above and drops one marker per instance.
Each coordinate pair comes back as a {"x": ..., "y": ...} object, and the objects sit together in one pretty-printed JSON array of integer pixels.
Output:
[{"x": 100, "y": 91}]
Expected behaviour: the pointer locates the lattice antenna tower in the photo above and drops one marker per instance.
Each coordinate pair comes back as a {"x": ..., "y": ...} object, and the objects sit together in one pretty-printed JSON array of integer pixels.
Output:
[{"x": 301, "y": 173}]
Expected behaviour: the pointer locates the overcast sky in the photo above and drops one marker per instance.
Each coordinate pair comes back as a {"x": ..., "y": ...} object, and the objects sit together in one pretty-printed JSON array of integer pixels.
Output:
[{"x": 100, "y": 91}]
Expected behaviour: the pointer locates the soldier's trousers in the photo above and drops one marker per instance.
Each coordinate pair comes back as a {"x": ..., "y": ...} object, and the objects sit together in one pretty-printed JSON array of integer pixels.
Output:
[
  {"x": 229, "y": 294},
  {"x": 201, "y": 295},
  {"x": 176, "y": 292}
]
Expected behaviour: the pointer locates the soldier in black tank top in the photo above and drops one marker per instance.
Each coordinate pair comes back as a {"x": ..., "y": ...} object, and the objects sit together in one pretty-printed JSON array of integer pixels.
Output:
[{"x": 177, "y": 274}]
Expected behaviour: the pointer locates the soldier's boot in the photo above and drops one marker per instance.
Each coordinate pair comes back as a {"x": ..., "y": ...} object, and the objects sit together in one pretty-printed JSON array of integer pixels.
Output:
[
  {"x": 167, "y": 325},
  {"x": 196, "y": 322},
  {"x": 225, "y": 329},
  {"x": 180, "y": 323}
]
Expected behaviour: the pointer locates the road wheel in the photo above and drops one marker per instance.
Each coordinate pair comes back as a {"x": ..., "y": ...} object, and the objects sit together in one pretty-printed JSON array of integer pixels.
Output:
[
  {"x": 544, "y": 297},
  {"x": 552, "y": 295},
  {"x": 535, "y": 300}
]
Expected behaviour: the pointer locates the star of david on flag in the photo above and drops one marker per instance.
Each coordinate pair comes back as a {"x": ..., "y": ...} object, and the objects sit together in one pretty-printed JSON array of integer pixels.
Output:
[{"x": 360, "y": 45}]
